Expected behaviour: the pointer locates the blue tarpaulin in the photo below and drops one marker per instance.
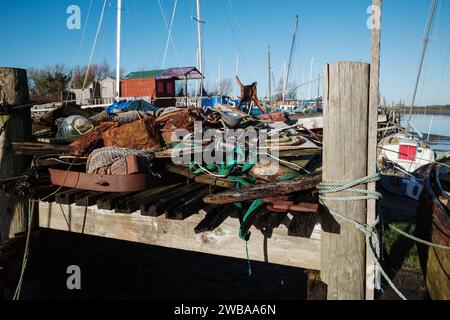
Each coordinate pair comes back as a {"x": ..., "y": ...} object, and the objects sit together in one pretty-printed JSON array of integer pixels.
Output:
[{"x": 124, "y": 105}]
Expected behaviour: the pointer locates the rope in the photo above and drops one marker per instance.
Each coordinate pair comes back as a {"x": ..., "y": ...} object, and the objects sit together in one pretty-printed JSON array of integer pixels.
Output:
[
  {"x": 169, "y": 34},
  {"x": 326, "y": 188},
  {"x": 407, "y": 235},
  {"x": 369, "y": 231},
  {"x": 95, "y": 43},
  {"x": 27, "y": 250}
]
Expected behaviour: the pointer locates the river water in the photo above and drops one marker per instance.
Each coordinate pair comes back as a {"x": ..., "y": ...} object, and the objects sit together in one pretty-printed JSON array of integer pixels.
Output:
[{"x": 433, "y": 123}]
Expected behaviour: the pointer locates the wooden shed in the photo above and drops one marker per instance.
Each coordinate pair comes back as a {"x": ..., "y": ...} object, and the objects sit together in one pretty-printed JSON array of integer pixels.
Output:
[{"x": 157, "y": 85}]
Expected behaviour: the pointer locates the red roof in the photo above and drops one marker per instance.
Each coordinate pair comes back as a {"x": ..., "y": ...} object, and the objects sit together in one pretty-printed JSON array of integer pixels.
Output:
[{"x": 182, "y": 73}]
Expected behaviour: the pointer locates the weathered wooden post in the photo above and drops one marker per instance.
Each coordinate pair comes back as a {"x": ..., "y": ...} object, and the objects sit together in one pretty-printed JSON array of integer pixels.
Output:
[
  {"x": 374, "y": 102},
  {"x": 15, "y": 125},
  {"x": 346, "y": 107}
]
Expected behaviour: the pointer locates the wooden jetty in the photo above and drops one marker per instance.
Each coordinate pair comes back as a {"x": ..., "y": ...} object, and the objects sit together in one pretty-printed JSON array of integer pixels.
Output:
[
  {"x": 180, "y": 219},
  {"x": 209, "y": 230}
]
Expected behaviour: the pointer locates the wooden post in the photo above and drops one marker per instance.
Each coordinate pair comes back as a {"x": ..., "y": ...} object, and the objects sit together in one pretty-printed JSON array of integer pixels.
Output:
[
  {"x": 374, "y": 102},
  {"x": 15, "y": 125},
  {"x": 346, "y": 107}
]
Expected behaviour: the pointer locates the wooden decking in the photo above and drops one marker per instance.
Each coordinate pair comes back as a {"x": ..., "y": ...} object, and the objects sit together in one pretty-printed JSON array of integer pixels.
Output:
[{"x": 179, "y": 232}]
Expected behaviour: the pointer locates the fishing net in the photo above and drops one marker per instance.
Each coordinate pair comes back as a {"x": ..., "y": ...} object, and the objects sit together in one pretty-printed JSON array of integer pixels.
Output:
[{"x": 112, "y": 156}]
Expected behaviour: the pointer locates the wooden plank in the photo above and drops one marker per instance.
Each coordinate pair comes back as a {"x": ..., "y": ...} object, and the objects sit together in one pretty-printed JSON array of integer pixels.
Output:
[
  {"x": 109, "y": 201},
  {"x": 214, "y": 216},
  {"x": 302, "y": 225},
  {"x": 133, "y": 203},
  {"x": 346, "y": 99},
  {"x": 266, "y": 190},
  {"x": 89, "y": 199},
  {"x": 186, "y": 205},
  {"x": 158, "y": 208},
  {"x": 70, "y": 196},
  {"x": 374, "y": 102},
  {"x": 158, "y": 231}
]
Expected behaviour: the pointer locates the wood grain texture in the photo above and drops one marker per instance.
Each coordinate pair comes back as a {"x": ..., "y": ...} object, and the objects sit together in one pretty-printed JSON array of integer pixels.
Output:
[
  {"x": 346, "y": 99},
  {"x": 158, "y": 231},
  {"x": 374, "y": 102},
  {"x": 13, "y": 91}
]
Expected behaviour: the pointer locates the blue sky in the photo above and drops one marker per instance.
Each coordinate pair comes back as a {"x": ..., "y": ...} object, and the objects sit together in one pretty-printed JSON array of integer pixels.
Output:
[{"x": 329, "y": 30}]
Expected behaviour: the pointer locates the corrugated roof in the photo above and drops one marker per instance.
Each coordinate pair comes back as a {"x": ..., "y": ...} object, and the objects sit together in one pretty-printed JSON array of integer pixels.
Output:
[
  {"x": 181, "y": 73},
  {"x": 144, "y": 74}
]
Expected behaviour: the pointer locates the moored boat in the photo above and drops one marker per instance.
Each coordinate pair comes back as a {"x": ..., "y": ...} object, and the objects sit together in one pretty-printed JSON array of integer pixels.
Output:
[{"x": 433, "y": 225}]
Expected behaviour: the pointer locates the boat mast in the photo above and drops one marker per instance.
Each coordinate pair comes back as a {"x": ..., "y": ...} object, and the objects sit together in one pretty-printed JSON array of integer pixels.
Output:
[
  {"x": 310, "y": 77},
  {"x": 318, "y": 86},
  {"x": 292, "y": 52},
  {"x": 270, "y": 78},
  {"x": 422, "y": 57},
  {"x": 200, "y": 51},
  {"x": 119, "y": 16}
]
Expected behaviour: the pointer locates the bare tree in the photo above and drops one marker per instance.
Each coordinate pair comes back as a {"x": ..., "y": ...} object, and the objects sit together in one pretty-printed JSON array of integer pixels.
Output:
[
  {"x": 290, "y": 93},
  {"x": 50, "y": 81},
  {"x": 222, "y": 88},
  {"x": 96, "y": 72}
]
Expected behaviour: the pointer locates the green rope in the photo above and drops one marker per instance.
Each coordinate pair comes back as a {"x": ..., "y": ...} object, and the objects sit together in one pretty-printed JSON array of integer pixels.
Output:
[{"x": 248, "y": 259}]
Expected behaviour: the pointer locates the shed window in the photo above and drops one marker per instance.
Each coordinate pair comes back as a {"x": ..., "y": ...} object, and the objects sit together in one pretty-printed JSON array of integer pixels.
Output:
[
  {"x": 170, "y": 88},
  {"x": 160, "y": 86}
]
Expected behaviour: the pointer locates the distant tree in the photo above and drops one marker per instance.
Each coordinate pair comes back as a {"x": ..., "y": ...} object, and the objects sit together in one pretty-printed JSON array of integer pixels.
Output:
[
  {"x": 96, "y": 72},
  {"x": 224, "y": 88},
  {"x": 104, "y": 71},
  {"x": 289, "y": 94},
  {"x": 50, "y": 81},
  {"x": 81, "y": 76}
]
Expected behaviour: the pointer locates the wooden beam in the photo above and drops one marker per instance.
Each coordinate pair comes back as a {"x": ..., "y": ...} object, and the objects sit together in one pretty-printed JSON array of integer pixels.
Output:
[
  {"x": 265, "y": 190},
  {"x": 15, "y": 125},
  {"x": 374, "y": 102},
  {"x": 346, "y": 106},
  {"x": 158, "y": 231}
]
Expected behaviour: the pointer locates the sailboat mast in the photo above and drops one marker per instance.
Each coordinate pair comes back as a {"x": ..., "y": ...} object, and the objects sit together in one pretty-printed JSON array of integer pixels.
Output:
[
  {"x": 292, "y": 51},
  {"x": 270, "y": 77},
  {"x": 422, "y": 57},
  {"x": 310, "y": 77},
  {"x": 119, "y": 17},
  {"x": 200, "y": 51}
]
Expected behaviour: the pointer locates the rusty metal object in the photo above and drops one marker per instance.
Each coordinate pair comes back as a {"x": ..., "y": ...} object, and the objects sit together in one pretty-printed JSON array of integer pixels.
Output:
[
  {"x": 289, "y": 206},
  {"x": 106, "y": 183},
  {"x": 249, "y": 93},
  {"x": 274, "y": 116},
  {"x": 140, "y": 134},
  {"x": 170, "y": 122},
  {"x": 93, "y": 140}
]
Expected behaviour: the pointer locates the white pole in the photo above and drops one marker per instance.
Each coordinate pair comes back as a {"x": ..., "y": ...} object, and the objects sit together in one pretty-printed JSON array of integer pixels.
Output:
[
  {"x": 218, "y": 83},
  {"x": 310, "y": 77},
  {"x": 284, "y": 82},
  {"x": 237, "y": 64},
  {"x": 196, "y": 64},
  {"x": 303, "y": 87},
  {"x": 119, "y": 16},
  {"x": 429, "y": 129},
  {"x": 200, "y": 51}
]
